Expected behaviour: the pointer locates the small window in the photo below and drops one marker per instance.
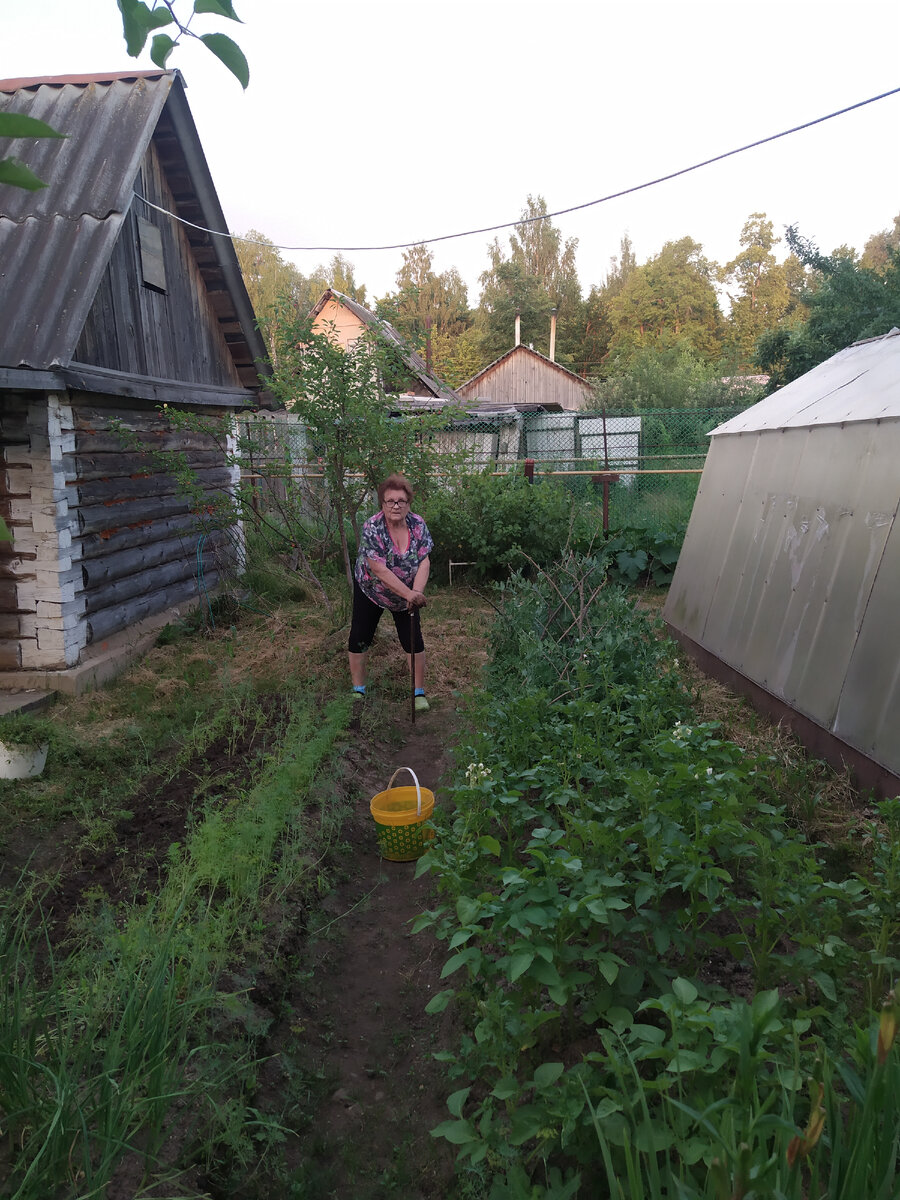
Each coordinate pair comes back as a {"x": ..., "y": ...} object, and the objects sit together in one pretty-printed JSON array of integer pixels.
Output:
[{"x": 153, "y": 268}]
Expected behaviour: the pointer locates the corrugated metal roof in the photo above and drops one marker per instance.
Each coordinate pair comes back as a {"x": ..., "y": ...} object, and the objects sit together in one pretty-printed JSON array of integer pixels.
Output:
[
  {"x": 55, "y": 243},
  {"x": 861, "y": 383},
  {"x": 416, "y": 363}
]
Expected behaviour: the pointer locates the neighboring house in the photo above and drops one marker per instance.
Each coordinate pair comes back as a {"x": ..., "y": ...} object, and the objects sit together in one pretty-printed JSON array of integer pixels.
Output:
[
  {"x": 523, "y": 379},
  {"x": 346, "y": 319},
  {"x": 109, "y": 309},
  {"x": 787, "y": 586}
]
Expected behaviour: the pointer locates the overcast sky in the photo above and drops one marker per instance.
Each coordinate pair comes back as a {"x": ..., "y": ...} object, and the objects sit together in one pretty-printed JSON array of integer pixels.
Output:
[{"x": 370, "y": 123}]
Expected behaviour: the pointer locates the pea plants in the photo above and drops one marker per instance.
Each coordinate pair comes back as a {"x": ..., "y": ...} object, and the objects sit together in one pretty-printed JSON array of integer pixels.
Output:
[{"x": 654, "y": 975}]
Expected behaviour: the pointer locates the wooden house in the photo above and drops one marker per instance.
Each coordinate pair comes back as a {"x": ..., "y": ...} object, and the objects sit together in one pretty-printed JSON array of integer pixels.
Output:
[
  {"x": 112, "y": 307},
  {"x": 524, "y": 378},
  {"x": 346, "y": 319}
]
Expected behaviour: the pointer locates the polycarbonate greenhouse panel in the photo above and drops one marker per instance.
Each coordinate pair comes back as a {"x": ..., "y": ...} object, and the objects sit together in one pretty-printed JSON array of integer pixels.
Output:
[
  {"x": 796, "y": 547},
  {"x": 832, "y": 550},
  {"x": 868, "y": 714},
  {"x": 707, "y": 545},
  {"x": 616, "y": 440},
  {"x": 790, "y": 573},
  {"x": 858, "y": 384}
]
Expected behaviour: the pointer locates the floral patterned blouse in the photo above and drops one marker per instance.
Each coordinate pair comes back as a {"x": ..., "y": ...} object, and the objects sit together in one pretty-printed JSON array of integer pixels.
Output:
[{"x": 375, "y": 542}]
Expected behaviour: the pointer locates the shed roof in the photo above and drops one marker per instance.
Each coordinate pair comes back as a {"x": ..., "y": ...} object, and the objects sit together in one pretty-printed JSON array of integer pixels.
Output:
[
  {"x": 417, "y": 365},
  {"x": 472, "y": 384},
  {"x": 55, "y": 243},
  {"x": 861, "y": 383}
]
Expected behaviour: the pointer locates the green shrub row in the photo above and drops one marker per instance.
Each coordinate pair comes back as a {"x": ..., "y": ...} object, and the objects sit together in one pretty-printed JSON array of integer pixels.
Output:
[
  {"x": 502, "y": 525},
  {"x": 659, "y": 983}
]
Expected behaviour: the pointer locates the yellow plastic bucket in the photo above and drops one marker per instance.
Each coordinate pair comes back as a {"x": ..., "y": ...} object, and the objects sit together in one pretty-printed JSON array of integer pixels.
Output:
[{"x": 400, "y": 814}]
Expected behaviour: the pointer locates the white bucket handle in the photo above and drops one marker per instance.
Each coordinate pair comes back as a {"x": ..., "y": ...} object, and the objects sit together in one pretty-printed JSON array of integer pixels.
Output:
[{"x": 415, "y": 780}]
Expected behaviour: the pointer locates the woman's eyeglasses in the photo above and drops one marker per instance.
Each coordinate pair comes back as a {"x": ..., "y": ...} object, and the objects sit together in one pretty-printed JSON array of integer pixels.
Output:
[{"x": 395, "y": 503}]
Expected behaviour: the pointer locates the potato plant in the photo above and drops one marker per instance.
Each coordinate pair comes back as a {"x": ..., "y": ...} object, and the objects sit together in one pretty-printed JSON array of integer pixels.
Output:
[{"x": 648, "y": 957}]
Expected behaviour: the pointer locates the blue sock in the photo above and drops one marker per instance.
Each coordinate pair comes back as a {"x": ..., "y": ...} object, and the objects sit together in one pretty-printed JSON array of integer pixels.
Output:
[
  {"x": 360, "y": 687},
  {"x": 419, "y": 692}
]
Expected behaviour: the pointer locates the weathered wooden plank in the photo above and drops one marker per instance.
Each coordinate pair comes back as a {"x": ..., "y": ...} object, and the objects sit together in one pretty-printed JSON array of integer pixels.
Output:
[
  {"x": 118, "y": 491},
  {"x": 111, "y": 620},
  {"x": 126, "y": 463},
  {"x": 136, "y": 329},
  {"x": 8, "y": 596},
  {"x": 97, "y": 545},
  {"x": 18, "y": 568},
  {"x": 100, "y": 518},
  {"x": 140, "y": 558},
  {"x": 9, "y": 625},
  {"x": 10, "y": 656},
  {"x": 131, "y": 586},
  {"x": 91, "y": 418},
  {"x": 162, "y": 440}
]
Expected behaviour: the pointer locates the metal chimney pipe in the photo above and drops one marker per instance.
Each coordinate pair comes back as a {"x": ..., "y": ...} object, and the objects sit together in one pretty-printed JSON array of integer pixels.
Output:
[
  {"x": 553, "y": 334},
  {"x": 518, "y": 326},
  {"x": 428, "y": 344}
]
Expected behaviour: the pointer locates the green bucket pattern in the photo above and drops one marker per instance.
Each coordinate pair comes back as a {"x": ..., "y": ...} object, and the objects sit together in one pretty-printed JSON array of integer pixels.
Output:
[{"x": 400, "y": 814}]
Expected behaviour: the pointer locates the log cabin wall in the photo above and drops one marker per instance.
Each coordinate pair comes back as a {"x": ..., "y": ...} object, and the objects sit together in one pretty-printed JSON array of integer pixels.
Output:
[
  {"x": 103, "y": 536},
  {"x": 137, "y": 328},
  {"x": 41, "y": 613},
  {"x": 144, "y": 544}
]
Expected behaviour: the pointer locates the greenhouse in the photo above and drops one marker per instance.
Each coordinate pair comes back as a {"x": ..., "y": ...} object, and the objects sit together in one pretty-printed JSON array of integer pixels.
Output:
[{"x": 788, "y": 581}]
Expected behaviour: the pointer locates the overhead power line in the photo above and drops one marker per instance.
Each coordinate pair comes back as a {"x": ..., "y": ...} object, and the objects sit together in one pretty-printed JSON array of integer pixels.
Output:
[{"x": 560, "y": 212}]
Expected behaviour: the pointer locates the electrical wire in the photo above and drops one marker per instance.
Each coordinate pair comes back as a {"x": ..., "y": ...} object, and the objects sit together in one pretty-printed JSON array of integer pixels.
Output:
[{"x": 543, "y": 216}]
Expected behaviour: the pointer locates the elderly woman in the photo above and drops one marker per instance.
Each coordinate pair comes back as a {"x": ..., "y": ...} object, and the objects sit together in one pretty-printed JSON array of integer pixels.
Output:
[{"x": 391, "y": 572}]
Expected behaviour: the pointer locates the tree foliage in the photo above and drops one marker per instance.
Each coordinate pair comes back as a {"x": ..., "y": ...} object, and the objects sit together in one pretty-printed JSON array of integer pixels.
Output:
[
  {"x": 593, "y": 349},
  {"x": 422, "y": 296},
  {"x": 271, "y": 281},
  {"x": 669, "y": 300},
  {"x": 538, "y": 275},
  {"x": 139, "y": 21},
  {"x": 759, "y": 288},
  {"x": 339, "y": 394},
  {"x": 455, "y": 359},
  {"x": 877, "y": 250},
  {"x": 672, "y": 376},
  {"x": 846, "y": 301},
  {"x": 339, "y": 274}
]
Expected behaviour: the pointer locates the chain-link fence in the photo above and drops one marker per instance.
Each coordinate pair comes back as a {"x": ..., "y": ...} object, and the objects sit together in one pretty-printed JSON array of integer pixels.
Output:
[{"x": 645, "y": 467}]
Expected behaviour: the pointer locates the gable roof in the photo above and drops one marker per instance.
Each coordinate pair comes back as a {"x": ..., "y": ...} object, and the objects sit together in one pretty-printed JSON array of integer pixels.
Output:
[
  {"x": 417, "y": 365},
  {"x": 471, "y": 384},
  {"x": 55, "y": 243}
]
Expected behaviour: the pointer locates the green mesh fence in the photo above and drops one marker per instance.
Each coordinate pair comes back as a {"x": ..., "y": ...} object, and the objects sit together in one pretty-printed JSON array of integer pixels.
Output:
[{"x": 645, "y": 466}]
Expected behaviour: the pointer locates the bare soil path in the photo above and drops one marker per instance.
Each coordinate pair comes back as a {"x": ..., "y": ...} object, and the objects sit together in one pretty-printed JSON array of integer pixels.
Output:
[{"x": 357, "y": 1032}]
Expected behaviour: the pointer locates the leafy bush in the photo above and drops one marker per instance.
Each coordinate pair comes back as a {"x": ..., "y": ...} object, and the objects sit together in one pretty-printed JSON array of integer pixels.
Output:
[
  {"x": 673, "y": 377},
  {"x": 644, "y": 554},
  {"x": 492, "y": 523}
]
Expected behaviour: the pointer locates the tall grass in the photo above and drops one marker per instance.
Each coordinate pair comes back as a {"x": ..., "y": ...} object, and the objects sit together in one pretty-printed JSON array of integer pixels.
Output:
[
  {"x": 96, "y": 1048},
  {"x": 89, "y": 1067}
]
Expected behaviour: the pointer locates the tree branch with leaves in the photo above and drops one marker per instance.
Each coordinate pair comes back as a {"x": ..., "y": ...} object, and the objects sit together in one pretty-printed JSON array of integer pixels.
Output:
[{"x": 139, "y": 22}]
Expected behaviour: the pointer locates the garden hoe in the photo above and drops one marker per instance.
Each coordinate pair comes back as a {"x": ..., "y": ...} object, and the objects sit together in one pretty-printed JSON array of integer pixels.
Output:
[{"x": 413, "y": 636}]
